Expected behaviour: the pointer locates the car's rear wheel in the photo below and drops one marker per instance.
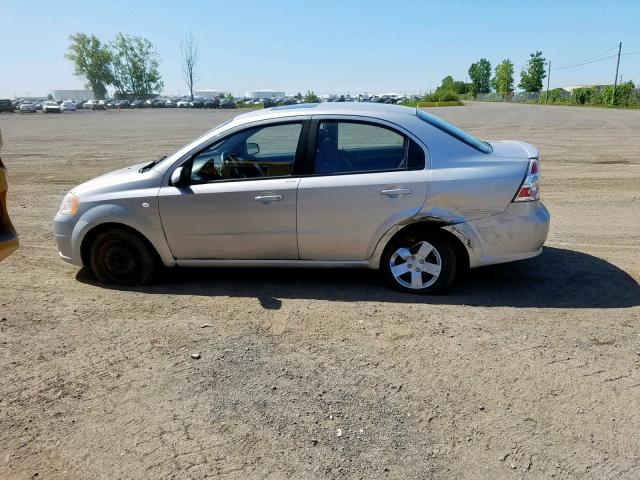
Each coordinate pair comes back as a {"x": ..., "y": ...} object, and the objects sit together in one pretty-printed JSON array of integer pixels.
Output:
[
  {"x": 422, "y": 262},
  {"x": 122, "y": 257}
]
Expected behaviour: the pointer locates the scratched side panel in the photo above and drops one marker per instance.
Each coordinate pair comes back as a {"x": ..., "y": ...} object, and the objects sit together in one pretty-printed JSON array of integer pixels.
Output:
[{"x": 465, "y": 183}]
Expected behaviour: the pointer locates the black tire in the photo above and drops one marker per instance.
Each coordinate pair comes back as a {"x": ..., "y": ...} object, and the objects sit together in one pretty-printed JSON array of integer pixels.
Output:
[
  {"x": 442, "y": 254},
  {"x": 121, "y": 257}
]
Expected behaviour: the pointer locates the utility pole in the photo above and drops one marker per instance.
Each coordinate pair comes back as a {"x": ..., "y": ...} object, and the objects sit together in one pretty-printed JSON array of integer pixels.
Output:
[
  {"x": 615, "y": 81},
  {"x": 546, "y": 100}
]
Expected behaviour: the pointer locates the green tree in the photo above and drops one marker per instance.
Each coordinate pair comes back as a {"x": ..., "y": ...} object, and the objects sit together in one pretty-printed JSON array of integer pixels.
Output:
[
  {"x": 532, "y": 76},
  {"x": 451, "y": 88},
  {"x": 91, "y": 59},
  {"x": 134, "y": 66},
  {"x": 480, "y": 74},
  {"x": 311, "y": 97},
  {"x": 503, "y": 79},
  {"x": 447, "y": 83}
]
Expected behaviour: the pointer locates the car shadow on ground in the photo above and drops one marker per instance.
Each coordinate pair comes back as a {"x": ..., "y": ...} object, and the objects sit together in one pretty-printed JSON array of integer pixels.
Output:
[{"x": 558, "y": 278}]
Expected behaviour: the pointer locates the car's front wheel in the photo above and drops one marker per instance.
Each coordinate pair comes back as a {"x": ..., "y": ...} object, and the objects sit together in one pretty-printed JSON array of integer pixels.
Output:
[
  {"x": 122, "y": 257},
  {"x": 421, "y": 262}
]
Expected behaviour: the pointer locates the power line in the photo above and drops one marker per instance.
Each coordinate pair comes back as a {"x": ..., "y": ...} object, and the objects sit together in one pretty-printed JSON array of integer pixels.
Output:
[
  {"x": 586, "y": 63},
  {"x": 590, "y": 58}
]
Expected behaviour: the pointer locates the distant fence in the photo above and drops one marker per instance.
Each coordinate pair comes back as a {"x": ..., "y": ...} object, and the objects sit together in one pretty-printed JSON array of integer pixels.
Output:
[
  {"x": 509, "y": 97},
  {"x": 598, "y": 95},
  {"x": 432, "y": 104}
]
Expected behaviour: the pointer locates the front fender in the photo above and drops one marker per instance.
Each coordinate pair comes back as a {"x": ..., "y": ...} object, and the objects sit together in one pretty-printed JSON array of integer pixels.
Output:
[{"x": 146, "y": 222}]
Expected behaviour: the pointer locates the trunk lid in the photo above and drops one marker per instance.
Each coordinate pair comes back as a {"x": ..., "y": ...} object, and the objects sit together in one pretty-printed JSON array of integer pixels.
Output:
[{"x": 513, "y": 149}]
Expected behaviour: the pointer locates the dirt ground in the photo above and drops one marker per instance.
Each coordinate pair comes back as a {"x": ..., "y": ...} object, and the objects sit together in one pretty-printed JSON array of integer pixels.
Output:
[{"x": 527, "y": 370}]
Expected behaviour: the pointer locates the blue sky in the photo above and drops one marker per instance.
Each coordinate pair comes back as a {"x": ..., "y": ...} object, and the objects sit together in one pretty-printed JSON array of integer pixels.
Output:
[{"x": 331, "y": 46}]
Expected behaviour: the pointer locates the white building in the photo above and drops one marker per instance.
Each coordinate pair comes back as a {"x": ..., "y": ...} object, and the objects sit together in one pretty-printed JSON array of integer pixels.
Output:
[
  {"x": 79, "y": 95},
  {"x": 208, "y": 93},
  {"x": 255, "y": 94}
]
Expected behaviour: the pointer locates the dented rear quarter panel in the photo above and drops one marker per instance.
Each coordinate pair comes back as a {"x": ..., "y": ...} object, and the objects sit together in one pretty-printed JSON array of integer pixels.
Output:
[{"x": 466, "y": 184}]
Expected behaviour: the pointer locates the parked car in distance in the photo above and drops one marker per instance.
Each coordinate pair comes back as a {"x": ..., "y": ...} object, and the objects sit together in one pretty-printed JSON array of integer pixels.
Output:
[
  {"x": 320, "y": 185},
  {"x": 211, "y": 103},
  {"x": 196, "y": 103},
  {"x": 183, "y": 103},
  {"x": 79, "y": 105},
  {"x": 88, "y": 105},
  {"x": 6, "y": 106},
  {"x": 27, "y": 107},
  {"x": 170, "y": 104},
  {"x": 227, "y": 103},
  {"x": 137, "y": 104},
  {"x": 98, "y": 105},
  {"x": 68, "y": 106},
  {"x": 8, "y": 235},
  {"x": 123, "y": 104},
  {"x": 51, "y": 107}
]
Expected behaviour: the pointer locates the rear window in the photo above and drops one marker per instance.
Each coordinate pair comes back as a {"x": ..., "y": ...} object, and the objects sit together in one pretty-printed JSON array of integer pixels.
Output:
[{"x": 455, "y": 132}]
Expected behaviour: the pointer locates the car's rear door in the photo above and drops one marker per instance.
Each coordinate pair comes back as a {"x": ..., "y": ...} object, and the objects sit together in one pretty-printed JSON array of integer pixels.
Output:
[
  {"x": 240, "y": 202},
  {"x": 362, "y": 177}
]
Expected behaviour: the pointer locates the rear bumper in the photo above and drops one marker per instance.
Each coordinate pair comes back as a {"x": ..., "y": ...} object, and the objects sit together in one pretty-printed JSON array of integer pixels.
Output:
[{"x": 515, "y": 234}]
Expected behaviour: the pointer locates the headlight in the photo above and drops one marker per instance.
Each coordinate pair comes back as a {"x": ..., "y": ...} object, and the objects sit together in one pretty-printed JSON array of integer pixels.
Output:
[{"x": 69, "y": 205}]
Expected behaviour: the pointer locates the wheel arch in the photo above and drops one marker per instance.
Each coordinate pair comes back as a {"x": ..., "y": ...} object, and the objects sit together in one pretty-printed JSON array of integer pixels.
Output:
[
  {"x": 90, "y": 236},
  {"x": 462, "y": 255}
]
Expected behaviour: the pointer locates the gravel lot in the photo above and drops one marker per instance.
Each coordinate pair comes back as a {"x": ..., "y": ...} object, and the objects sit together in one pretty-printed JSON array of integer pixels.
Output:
[{"x": 528, "y": 370}]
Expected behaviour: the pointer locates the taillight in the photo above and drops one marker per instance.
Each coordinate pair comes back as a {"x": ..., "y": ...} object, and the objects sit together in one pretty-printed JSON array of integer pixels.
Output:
[{"x": 530, "y": 191}]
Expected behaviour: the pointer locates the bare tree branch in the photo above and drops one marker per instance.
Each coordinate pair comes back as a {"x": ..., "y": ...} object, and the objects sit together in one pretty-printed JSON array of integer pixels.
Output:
[{"x": 189, "y": 52}]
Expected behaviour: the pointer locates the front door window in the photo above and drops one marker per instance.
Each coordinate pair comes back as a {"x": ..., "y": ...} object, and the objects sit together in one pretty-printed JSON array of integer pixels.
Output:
[{"x": 260, "y": 152}]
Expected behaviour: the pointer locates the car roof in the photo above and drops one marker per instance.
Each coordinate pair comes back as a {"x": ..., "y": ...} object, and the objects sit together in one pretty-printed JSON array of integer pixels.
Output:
[{"x": 380, "y": 110}]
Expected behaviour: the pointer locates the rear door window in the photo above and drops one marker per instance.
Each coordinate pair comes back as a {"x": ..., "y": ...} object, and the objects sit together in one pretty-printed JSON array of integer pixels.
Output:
[{"x": 355, "y": 147}]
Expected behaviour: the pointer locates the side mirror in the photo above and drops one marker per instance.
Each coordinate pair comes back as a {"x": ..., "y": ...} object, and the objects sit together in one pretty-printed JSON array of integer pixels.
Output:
[
  {"x": 176, "y": 176},
  {"x": 253, "y": 149}
]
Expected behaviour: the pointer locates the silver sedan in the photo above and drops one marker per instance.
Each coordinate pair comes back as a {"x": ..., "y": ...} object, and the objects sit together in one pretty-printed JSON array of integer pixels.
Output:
[{"x": 329, "y": 185}]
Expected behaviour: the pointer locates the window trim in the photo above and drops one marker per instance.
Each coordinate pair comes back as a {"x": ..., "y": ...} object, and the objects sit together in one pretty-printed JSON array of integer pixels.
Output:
[
  {"x": 298, "y": 160},
  {"x": 313, "y": 138},
  {"x": 444, "y": 127}
]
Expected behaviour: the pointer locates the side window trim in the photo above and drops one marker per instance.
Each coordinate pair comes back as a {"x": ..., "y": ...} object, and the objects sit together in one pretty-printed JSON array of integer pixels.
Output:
[
  {"x": 309, "y": 164},
  {"x": 298, "y": 161}
]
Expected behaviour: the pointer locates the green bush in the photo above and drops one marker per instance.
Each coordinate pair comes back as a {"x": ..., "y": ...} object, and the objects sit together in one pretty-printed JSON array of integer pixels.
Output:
[
  {"x": 449, "y": 96},
  {"x": 626, "y": 95},
  {"x": 582, "y": 95},
  {"x": 557, "y": 95}
]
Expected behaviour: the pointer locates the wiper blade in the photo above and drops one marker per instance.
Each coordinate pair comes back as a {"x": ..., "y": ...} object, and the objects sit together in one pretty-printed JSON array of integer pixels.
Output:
[{"x": 149, "y": 166}]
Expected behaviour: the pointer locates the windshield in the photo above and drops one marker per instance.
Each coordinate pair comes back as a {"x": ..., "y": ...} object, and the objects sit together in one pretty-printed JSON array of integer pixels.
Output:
[{"x": 455, "y": 132}]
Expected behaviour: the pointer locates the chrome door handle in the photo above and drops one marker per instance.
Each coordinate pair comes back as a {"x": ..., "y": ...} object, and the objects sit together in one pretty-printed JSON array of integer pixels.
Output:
[
  {"x": 396, "y": 192},
  {"x": 268, "y": 198}
]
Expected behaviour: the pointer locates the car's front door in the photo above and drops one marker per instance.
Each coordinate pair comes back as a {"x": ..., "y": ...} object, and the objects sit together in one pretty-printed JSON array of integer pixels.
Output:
[
  {"x": 362, "y": 178},
  {"x": 239, "y": 201}
]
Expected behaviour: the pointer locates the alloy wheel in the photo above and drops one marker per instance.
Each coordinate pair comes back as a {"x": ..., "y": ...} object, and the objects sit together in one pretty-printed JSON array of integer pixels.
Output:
[{"x": 416, "y": 267}]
